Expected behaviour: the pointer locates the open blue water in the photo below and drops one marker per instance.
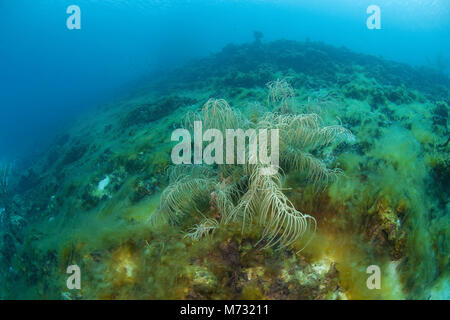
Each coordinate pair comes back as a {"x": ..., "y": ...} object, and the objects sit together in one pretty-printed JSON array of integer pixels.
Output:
[{"x": 49, "y": 74}]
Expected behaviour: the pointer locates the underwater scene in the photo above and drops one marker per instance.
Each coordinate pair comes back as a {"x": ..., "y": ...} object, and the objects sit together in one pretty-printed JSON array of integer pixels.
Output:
[{"x": 218, "y": 150}]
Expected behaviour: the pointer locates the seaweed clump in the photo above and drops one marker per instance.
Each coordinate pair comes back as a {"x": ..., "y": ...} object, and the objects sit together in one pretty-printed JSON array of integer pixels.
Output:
[{"x": 247, "y": 192}]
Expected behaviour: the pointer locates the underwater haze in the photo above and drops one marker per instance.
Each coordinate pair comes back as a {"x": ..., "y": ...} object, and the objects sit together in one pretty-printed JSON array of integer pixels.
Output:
[
  {"x": 51, "y": 74},
  {"x": 358, "y": 98}
]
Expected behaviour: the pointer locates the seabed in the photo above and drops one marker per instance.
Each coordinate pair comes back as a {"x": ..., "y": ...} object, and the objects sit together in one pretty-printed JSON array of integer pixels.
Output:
[{"x": 99, "y": 197}]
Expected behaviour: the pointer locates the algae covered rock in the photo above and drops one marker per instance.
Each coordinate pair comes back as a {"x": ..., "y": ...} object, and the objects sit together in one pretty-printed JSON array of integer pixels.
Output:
[
  {"x": 203, "y": 281},
  {"x": 386, "y": 229}
]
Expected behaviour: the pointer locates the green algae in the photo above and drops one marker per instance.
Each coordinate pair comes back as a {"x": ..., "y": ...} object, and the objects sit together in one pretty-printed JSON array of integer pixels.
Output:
[{"x": 390, "y": 208}]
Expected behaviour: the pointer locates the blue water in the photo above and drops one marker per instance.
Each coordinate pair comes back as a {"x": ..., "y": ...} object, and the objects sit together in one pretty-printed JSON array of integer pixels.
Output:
[{"x": 50, "y": 75}]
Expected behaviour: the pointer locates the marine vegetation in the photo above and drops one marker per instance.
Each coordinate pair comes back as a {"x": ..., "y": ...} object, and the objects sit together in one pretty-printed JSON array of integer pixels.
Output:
[
  {"x": 246, "y": 192},
  {"x": 4, "y": 178},
  {"x": 4, "y": 174},
  {"x": 362, "y": 179}
]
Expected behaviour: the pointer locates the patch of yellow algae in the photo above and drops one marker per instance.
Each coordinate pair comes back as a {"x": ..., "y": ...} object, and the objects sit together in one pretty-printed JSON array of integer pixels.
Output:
[
  {"x": 141, "y": 211},
  {"x": 123, "y": 266},
  {"x": 352, "y": 257}
]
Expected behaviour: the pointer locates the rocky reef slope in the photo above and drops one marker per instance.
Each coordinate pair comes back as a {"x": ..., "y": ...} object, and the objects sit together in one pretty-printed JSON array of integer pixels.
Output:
[{"x": 89, "y": 199}]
